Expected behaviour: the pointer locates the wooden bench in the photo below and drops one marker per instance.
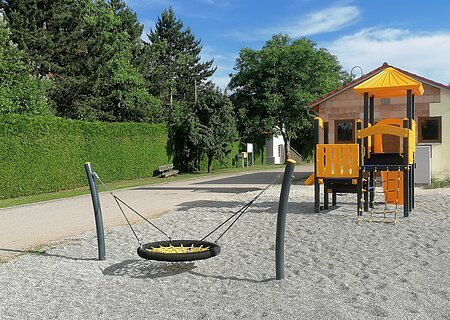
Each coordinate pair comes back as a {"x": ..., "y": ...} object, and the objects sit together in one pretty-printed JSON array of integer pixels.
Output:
[{"x": 167, "y": 171}]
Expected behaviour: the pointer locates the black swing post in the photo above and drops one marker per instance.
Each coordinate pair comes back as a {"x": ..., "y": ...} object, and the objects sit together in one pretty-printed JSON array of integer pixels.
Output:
[
  {"x": 281, "y": 218},
  {"x": 97, "y": 211}
]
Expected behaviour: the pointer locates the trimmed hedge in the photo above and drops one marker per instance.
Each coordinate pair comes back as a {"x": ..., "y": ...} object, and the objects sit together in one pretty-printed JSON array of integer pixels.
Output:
[{"x": 45, "y": 154}]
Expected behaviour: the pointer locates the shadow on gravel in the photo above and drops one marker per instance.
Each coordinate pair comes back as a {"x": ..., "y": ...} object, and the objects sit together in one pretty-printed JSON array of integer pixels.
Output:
[
  {"x": 141, "y": 269},
  {"x": 258, "y": 207},
  {"x": 231, "y": 278},
  {"x": 45, "y": 254}
]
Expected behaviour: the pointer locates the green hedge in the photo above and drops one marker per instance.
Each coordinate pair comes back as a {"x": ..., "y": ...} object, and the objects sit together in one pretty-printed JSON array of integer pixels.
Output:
[
  {"x": 45, "y": 154},
  {"x": 233, "y": 159}
]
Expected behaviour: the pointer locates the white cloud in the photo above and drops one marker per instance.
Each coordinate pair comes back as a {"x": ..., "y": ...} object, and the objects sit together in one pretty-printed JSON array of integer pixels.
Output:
[
  {"x": 327, "y": 20},
  {"x": 423, "y": 53}
]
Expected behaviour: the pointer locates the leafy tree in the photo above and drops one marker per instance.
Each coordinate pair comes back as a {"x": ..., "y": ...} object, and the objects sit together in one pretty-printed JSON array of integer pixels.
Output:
[
  {"x": 171, "y": 61},
  {"x": 217, "y": 124},
  {"x": 273, "y": 86},
  {"x": 206, "y": 128},
  {"x": 185, "y": 137},
  {"x": 20, "y": 91}
]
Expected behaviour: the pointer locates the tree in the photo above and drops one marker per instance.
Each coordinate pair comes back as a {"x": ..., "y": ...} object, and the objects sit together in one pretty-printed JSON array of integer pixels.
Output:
[
  {"x": 20, "y": 91},
  {"x": 217, "y": 124},
  {"x": 113, "y": 89},
  {"x": 204, "y": 128},
  {"x": 89, "y": 48},
  {"x": 273, "y": 86},
  {"x": 171, "y": 62},
  {"x": 44, "y": 30}
]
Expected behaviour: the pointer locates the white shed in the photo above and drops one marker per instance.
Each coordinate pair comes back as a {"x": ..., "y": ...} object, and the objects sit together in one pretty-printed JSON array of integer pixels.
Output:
[{"x": 275, "y": 153}]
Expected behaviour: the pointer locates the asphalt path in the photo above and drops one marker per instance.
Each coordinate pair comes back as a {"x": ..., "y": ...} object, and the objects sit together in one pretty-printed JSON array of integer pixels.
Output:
[{"x": 31, "y": 227}]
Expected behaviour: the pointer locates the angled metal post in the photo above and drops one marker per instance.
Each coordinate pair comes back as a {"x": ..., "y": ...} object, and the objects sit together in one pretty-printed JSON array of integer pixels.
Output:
[
  {"x": 97, "y": 211},
  {"x": 281, "y": 218}
]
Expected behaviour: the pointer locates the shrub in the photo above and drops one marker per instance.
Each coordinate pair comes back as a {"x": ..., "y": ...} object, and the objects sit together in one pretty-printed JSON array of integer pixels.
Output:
[{"x": 45, "y": 154}]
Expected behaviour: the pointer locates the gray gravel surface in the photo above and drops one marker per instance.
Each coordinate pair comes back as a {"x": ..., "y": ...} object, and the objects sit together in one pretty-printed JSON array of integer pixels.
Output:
[{"x": 335, "y": 268}]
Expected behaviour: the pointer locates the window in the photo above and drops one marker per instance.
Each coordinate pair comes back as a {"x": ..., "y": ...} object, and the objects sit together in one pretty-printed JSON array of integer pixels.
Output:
[
  {"x": 430, "y": 129},
  {"x": 344, "y": 131}
]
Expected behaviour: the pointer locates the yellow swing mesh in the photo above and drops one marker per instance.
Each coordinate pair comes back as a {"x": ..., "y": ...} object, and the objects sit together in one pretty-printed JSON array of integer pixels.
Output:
[{"x": 178, "y": 249}]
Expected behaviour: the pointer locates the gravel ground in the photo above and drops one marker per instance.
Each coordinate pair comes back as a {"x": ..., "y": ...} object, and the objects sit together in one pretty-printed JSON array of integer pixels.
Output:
[{"x": 335, "y": 268}]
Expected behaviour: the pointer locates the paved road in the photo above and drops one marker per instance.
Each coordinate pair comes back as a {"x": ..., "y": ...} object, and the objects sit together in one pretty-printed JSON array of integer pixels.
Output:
[{"x": 32, "y": 226}]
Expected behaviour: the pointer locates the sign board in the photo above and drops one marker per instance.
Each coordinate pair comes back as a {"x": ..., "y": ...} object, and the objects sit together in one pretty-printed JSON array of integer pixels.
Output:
[{"x": 249, "y": 147}]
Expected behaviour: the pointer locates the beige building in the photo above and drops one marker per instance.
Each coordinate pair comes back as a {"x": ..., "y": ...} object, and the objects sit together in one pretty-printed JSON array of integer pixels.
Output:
[{"x": 341, "y": 108}]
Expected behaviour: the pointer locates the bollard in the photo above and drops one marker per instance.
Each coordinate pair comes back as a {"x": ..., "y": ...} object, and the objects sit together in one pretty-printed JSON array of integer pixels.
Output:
[
  {"x": 97, "y": 211},
  {"x": 281, "y": 219}
]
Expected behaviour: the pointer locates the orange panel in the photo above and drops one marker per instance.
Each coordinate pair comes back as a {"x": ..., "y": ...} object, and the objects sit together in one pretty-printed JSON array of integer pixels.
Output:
[
  {"x": 392, "y": 180},
  {"x": 337, "y": 160}
]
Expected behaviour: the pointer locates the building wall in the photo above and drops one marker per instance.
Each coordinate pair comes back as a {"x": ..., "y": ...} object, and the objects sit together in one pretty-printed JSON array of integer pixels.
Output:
[
  {"x": 440, "y": 164},
  {"x": 273, "y": 155}
]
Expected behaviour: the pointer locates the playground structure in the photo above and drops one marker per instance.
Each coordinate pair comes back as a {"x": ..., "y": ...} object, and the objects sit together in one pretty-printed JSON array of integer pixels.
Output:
[{"x": 355, "y": 167}]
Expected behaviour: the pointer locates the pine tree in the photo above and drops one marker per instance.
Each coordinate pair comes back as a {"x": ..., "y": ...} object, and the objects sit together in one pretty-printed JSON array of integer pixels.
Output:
[
  {"x": 45, "y": 30},
  {"x": 90, "y": 51},
  {"x": 172, "y": 62}
]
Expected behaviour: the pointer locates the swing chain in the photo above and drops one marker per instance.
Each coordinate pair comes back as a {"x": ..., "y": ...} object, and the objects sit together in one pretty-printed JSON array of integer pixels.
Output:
[
  {"x": 239, "y": 213},
  {"x": 119, "y": 202}
]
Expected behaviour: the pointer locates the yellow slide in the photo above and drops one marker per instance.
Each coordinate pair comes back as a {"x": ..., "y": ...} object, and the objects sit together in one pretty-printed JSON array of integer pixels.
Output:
[{"x": 310, "y": 179}]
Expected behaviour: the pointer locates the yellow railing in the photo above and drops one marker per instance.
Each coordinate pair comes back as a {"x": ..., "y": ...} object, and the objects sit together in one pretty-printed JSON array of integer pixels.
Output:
[
  {"x": 383, "y": 129},
  {"x": 337, "y": 160}
]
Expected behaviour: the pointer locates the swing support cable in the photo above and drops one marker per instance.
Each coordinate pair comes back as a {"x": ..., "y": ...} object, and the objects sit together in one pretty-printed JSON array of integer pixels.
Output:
[
  {"x": 238, "y": 213},
  {"x": 119, "y": 202}
]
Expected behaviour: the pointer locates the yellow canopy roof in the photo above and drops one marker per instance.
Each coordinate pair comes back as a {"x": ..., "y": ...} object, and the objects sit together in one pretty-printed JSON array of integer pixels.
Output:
[{"x": 389, "y": 83}]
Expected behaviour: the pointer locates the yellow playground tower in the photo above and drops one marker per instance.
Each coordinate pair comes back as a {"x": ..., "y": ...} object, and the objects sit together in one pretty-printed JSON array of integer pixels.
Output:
[{"x": 355, "y": 168}]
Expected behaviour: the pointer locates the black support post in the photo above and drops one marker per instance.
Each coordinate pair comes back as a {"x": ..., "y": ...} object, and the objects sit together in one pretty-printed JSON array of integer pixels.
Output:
[
  {"x": 413, "y": 167},
  {"x": 409, "y": 108},
  {"x": 371, "y": 177},
  {"x": 372, "y": 110},
  {"x": 365, "y": 183},
  {"x": 281, "y": 218},
  {"x": 97, "y": 211},
  {"x": 316, "y": 180},
  {"x": 406, "y": 172},
  {"x": 366, "y": 109},
  {"x": 359, "y": 185}
]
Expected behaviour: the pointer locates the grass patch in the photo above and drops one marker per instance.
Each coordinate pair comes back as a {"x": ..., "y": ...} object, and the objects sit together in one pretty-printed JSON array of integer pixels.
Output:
[
  {"x": 440, "y": 183},
  {"x": 23, "y": 200}
]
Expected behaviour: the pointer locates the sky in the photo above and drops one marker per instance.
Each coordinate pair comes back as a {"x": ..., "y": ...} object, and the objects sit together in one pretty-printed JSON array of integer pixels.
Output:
[{"x": 410, "y": 34}]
